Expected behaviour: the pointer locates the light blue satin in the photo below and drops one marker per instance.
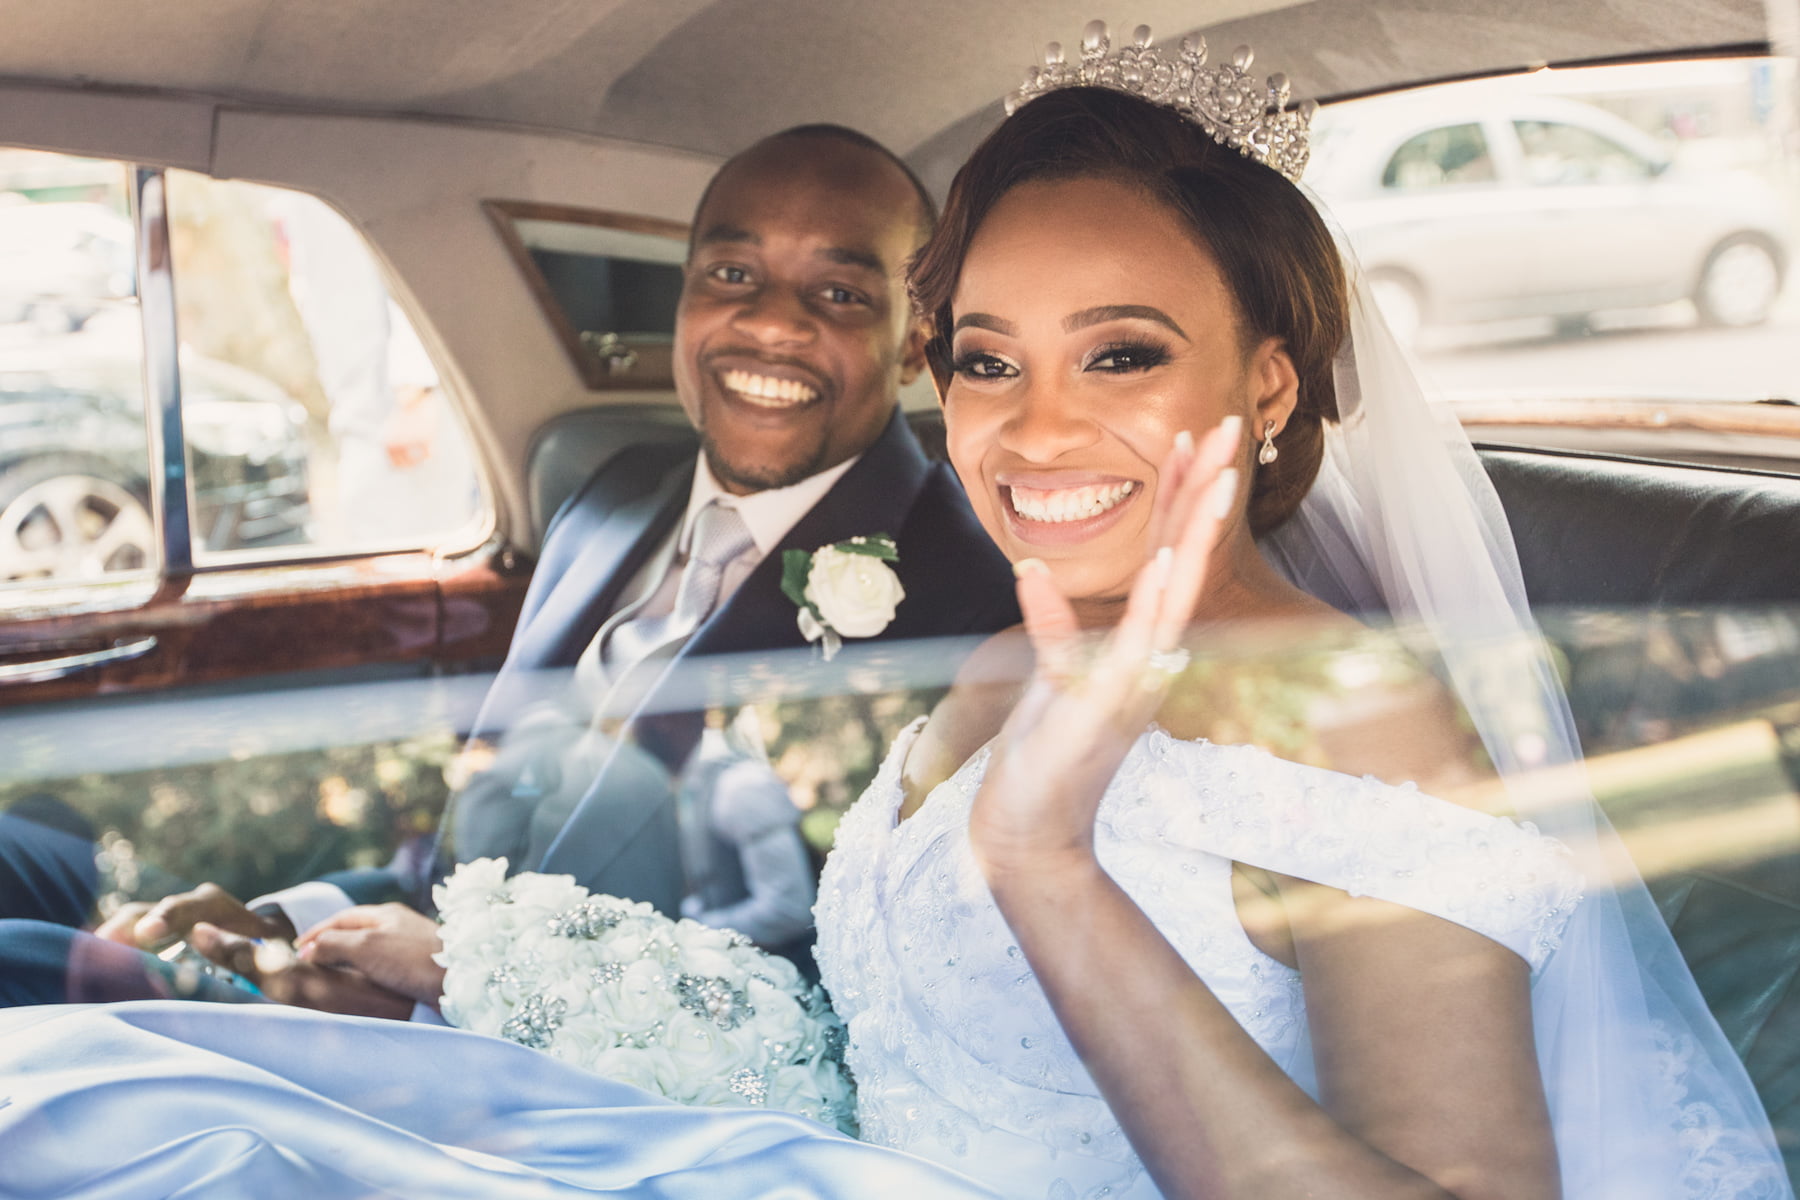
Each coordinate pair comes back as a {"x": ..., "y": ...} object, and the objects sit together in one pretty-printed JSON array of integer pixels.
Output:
[{"x": 155, "y": 1099}]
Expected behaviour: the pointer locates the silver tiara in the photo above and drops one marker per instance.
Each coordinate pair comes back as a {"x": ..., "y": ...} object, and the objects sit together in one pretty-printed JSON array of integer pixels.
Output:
[{"x": 1249, "y": 116}]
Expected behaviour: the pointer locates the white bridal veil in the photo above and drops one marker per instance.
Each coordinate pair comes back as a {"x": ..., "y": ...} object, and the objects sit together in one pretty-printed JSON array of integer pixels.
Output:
[{"x": 1647, "y": 1097}]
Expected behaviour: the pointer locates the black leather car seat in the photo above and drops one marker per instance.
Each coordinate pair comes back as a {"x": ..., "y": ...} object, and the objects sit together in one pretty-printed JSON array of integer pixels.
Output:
[{"x": 1624, "y": 533}]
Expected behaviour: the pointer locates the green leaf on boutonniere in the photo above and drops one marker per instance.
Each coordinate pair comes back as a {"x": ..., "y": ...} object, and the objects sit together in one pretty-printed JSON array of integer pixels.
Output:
[
  {"x": 875, "y": 545},
  {"x": 796, "y": 565}
]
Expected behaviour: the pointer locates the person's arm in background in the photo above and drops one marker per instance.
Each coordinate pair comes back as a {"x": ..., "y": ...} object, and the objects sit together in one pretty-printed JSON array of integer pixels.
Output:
[
  {"x": 411, "y": 431},
  {"x": 750, "y": 809}
]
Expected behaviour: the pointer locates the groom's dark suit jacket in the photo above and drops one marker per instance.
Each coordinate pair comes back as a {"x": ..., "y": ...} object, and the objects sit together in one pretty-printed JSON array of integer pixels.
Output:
[{"x": 619, "y": 835}]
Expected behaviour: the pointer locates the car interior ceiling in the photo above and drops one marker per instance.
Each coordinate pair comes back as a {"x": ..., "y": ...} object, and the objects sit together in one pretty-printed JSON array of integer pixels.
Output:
[{"x": 639, "y": 58}]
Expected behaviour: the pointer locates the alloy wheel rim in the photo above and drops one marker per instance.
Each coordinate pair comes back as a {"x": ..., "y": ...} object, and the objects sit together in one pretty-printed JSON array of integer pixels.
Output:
[
  {"x": 74, "y": 527},
  {"x": 1740, "y": 284}
]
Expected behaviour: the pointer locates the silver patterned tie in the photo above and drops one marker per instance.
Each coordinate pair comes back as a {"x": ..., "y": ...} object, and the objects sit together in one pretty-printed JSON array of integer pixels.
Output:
[{"x": 719, "y": 537}]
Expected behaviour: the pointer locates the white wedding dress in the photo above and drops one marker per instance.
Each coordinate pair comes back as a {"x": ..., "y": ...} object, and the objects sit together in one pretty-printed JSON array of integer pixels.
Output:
[{"x": 957, "y": 1055}]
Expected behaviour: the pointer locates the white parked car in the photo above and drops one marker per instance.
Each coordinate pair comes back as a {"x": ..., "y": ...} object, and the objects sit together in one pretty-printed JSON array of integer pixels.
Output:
[{"x": 1479, "y": 203}]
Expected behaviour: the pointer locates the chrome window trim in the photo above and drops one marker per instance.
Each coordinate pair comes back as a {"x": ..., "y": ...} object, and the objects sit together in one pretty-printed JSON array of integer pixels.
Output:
[{"x": 169, "y": 499}]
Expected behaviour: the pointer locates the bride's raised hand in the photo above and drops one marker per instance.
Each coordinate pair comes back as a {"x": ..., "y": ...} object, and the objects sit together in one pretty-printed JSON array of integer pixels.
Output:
[{"x": 1080, "y": 715}]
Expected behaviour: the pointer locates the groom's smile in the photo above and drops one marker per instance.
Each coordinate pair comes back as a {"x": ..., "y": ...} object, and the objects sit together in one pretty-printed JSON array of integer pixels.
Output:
[
  {"x": 767, "y": 391},
  {"x": 745, "y": 392}
]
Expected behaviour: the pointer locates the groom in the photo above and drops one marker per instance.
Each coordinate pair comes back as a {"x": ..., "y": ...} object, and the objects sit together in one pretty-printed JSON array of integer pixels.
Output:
[{"x": 792, "y": 338}]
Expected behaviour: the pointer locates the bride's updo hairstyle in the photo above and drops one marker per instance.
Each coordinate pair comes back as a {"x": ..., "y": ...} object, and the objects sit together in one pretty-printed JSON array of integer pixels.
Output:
[{"x": 1276, "y": 255}]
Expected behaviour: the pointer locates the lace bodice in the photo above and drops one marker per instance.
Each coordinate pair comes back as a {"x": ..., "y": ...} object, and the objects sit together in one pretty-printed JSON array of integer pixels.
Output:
[{"x": 956, "y": 1052}]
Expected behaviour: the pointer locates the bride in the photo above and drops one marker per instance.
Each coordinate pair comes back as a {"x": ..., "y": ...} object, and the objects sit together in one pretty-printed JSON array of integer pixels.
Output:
[{"x": 1080, "y": 948}]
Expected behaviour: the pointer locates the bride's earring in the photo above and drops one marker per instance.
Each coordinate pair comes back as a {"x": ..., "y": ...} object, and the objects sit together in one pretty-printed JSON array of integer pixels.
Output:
[{"x": 1268, "y": 453}]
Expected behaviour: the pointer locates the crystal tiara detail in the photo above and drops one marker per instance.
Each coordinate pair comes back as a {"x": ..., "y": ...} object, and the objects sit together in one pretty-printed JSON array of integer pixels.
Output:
[{"x": 1249, "y": 116}]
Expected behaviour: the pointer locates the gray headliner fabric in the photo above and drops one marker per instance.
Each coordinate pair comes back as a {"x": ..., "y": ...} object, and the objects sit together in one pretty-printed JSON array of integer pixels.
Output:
[{"x": 708, "y": 77}]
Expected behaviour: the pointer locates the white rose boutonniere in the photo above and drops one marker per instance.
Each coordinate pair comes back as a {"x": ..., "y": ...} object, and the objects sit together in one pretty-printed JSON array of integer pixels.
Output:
[{"x": 844, "y": 590}]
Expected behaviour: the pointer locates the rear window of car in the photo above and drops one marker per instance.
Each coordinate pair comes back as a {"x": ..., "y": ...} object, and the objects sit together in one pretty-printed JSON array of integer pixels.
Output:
[{"x": 608, "y": 284}]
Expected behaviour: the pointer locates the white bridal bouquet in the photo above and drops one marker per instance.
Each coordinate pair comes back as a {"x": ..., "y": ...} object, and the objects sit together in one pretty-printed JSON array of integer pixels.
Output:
[{"x": 696, "y": 1014}]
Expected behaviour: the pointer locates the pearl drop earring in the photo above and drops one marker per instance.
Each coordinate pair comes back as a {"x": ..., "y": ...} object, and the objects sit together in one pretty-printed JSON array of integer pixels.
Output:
[{"x": 1268, "y": 453}]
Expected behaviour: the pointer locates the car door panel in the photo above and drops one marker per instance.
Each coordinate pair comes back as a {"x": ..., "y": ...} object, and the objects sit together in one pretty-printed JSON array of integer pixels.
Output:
[{"x": 409, "y": 611}]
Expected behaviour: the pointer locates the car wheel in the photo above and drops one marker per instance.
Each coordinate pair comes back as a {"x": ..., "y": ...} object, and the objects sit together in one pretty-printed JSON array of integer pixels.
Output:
[
  {"x": 1739, "y": 283},
  {"x": 1401, "y": 305},
  {"x": 58, "y": 521}
]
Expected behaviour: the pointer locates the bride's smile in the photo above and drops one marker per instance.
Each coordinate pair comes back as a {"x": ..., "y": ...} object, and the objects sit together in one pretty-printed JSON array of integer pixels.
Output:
[
  {"x": 1091, "y": 328},
  {"x": 1055, "y": 508}
]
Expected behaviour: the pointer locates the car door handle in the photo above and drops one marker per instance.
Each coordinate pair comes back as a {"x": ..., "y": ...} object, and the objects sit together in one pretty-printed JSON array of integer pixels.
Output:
[{"x": 69, "y": 664}]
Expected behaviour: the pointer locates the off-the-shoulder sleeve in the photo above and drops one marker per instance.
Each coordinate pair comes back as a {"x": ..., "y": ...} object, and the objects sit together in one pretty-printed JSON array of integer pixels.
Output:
[{"x": 1502, "y": 879}]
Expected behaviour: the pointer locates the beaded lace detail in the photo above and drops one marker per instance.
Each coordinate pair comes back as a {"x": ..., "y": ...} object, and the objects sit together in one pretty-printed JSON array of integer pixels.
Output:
[{"x": 956, "y": 1052}]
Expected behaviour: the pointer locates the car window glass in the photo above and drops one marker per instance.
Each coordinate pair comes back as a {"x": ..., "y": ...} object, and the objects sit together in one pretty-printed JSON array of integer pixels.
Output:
[
  {"x": 1453, "y": 154},
  {"x": 1556, "y": 153},
  {"x": 608, "y": 283},
  {"x": 1625, "y": 286},
  {"x": 313, "y": 415},
  {"x": 74, "y": 455}
]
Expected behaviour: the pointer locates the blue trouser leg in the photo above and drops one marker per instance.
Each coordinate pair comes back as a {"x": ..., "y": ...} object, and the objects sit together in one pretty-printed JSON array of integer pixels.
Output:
[{"x": 44, "y": 963}]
